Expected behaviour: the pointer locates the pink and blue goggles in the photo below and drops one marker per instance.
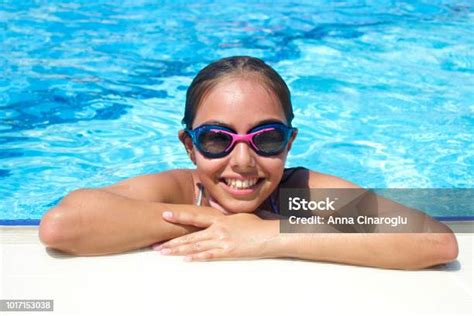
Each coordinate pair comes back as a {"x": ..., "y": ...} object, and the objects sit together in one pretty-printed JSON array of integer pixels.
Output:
[{"x": 215, "y": 141}]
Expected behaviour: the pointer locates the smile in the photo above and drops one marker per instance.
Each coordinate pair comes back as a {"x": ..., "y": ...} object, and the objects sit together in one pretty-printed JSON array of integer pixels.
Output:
[{"x": 240, "y": 184}]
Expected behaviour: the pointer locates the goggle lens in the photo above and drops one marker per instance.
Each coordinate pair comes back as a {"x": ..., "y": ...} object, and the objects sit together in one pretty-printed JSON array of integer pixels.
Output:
[
  {"x": 271, "y": 141},
  {"x": 213, "y": 142},
  {"x": 218, "y": 141}
]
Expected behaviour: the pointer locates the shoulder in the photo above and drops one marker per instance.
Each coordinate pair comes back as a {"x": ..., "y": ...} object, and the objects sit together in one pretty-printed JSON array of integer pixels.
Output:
[
  {"x": 306, "y": 178},
  {"x": 173, "y": 186},
  {"x": 321, "y": 180}
]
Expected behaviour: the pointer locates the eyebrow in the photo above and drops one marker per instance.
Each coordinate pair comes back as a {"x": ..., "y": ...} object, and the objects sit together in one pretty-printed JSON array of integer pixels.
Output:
[{"x": 219, "y": 123}]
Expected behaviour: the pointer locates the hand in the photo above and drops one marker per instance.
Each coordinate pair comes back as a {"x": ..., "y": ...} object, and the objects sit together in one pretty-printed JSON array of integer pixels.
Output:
[
  {"x": 234, "y": 236},
  {"x": 268, "y": 215},
  {"x": 209, "y": 211}
]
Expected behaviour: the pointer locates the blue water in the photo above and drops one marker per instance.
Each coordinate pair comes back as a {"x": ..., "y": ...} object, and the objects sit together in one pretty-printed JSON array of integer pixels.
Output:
[{"x": 92, "y": 92}]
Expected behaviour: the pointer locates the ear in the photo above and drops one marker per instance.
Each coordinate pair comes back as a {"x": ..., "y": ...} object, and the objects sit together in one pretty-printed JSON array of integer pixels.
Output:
[
  {"x": 188, "y": 144},
  {"x": 292, "y": 139}
]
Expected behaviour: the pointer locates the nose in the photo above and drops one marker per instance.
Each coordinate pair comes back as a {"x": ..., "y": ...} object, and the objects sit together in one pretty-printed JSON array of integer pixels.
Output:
[{"x": 242, "y": 157}]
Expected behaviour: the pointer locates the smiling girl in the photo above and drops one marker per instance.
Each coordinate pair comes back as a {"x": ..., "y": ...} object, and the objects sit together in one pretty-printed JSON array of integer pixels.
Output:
[{"x": 238, "y": 132}]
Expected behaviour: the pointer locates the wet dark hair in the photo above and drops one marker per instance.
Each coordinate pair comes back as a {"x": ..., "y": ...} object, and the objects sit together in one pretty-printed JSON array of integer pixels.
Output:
[{"x": 236, "y": 66}]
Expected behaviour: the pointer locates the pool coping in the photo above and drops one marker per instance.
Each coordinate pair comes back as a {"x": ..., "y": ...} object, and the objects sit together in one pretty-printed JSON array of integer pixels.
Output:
[
  {"x": 133, "y": 283},
  {"x": 8, "y": 231}
]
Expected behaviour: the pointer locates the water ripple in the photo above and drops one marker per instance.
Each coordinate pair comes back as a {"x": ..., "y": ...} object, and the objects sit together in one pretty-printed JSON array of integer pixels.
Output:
[{"x": 94, "y": 92}]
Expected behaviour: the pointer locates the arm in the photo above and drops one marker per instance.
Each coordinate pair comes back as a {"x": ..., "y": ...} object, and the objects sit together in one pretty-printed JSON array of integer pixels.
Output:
[
  {"x": 121, "y": 217},
  {"x": 394, "y": 251},
  {"x": 386, "y": 250}
]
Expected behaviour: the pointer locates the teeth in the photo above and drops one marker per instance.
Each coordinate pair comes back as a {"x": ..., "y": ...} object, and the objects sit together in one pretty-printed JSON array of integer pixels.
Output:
[{"x": 239, "y": 184}]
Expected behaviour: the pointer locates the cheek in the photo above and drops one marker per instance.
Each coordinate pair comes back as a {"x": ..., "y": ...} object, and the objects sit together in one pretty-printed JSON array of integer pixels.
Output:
[
  {"x": 273, "y": 168},
  {"x": 211, "y": 168},
  {"x": 208, "y": 167}
]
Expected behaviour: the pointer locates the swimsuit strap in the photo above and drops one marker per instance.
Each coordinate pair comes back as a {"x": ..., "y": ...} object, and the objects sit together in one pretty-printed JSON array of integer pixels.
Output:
[
  {"x": 200, "y": 194},
  {"x": 290, "y": 173}
]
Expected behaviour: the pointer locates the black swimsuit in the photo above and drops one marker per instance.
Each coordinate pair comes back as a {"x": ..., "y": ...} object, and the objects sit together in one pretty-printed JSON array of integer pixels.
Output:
[{"x": 289, "y": 172}]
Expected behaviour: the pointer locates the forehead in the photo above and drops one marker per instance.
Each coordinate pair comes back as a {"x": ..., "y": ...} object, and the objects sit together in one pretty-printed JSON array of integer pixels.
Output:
[{"x": 240, "y": 103}]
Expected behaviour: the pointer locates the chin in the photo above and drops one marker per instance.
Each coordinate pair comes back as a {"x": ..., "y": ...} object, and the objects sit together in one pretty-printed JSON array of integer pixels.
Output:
[{"x": 237, "y": 208}]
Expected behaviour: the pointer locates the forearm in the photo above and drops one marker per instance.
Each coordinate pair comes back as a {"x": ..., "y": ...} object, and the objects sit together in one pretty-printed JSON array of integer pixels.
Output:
[
  {"x": 423, "y": 243},
  {"x": 396, "y": 251},
  {"x": 94, "y": 222}
]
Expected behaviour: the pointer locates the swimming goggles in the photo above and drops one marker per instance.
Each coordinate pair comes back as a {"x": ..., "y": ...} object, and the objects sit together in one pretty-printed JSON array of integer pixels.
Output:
[{"x": 215, "y": 141}]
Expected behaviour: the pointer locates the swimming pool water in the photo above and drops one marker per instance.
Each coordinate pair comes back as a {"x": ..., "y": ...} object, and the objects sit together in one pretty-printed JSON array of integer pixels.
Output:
[{"x": 93, "y": 92}]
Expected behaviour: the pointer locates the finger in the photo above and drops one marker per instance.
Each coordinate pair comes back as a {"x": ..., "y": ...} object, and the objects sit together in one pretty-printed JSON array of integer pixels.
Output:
[
  {"x": 157, "y": 246},
  {"x": 189, "y": 218},
  {"x": 191, "y": 248},
  {"x": 189, "y": 238},
  {"x": 207, "y": 255}
]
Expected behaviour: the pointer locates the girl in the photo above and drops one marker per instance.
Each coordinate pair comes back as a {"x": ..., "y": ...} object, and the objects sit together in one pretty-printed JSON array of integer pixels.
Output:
[{"x": 238, "y": 133}]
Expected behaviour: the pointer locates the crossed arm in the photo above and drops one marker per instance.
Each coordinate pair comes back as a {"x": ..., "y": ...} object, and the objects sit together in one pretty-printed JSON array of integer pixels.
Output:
[
  {"x": 248, "y": 236},
  {"x": 95, "y": 222}
]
